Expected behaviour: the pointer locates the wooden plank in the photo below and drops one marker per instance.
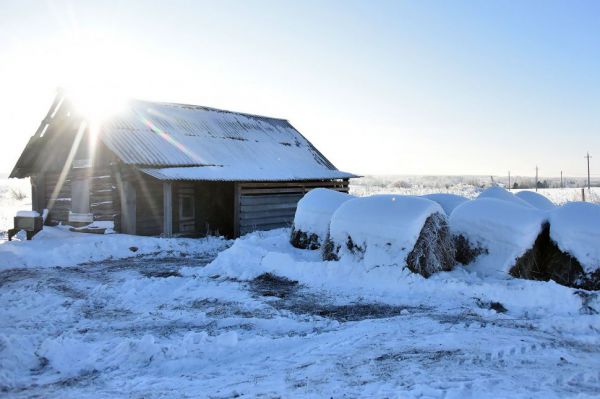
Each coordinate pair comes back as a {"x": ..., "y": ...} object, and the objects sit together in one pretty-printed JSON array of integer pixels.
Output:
[
  {"x": 244, "y": 230},
  {"x": 269, "y": 199},
  {"x": 236, "y": 209},
  {"x": 246, "y": 222},
  {"x": 283, "y": 190},
  {"x": 279, "y": 212},
  {"x": 167, "y": 209},
  {"x": 266, "y": 207},
  {"x": 310, "y": 183}
]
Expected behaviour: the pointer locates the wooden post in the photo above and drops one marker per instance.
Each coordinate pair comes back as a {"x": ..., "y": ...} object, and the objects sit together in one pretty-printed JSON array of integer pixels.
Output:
[
  {"x": 236, "y": 209},
  {"x": 167, "y": 209},
  {"x": 583, "y": 194}
]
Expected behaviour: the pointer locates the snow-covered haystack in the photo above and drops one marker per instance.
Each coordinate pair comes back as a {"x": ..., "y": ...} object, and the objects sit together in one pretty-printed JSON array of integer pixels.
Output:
[
  {"x": 536, "y": 200},
  {"x": 392, "y": 230},
  {"x": 575, "y": 231},
  {"x": 313, "y": 215},
  {"x": 503, "y": 230},
  {"x": 501, "y": 194},
  {"x": 447, "y": 201}
]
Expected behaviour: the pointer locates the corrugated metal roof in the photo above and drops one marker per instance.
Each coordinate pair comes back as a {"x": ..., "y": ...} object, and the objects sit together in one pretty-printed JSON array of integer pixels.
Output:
[{"x": 230, "y": 144}]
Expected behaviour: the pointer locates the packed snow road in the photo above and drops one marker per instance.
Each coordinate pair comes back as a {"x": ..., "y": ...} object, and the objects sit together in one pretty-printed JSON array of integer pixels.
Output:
[{"x": 171, "y": 327}]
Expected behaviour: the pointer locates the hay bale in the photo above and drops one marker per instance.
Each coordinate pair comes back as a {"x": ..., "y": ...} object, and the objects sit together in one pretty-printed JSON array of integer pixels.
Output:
[
  {"x": 391, "y": 230},
  {"x": 447, "y": 201},
  {"x": 536, "y": 200},
  {"x": 545, "y": 261},
  {"x": 434, "y": 249},
  {"x": 575, "y": 229},
  {"x": 501, "y": 230},
  {"x": 501, "y": 194},
  {"x": 313, "y": 215}
]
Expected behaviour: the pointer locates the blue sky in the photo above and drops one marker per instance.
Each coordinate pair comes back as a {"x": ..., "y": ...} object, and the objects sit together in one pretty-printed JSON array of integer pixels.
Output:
[{"x": 423, "y": 87}]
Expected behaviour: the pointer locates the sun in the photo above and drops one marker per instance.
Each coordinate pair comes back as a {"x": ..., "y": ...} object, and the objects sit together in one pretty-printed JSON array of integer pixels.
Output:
[
  {"x": 92, "y": 76},
  {"x": 96, "y": 105}
]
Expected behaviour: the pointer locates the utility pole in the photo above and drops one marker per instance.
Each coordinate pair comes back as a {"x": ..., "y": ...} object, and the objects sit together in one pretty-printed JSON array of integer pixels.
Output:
[
  {"x": 536, "y": 178},
  {"x": 509, "y": 186},
  {"x": 561, "y": 181},
  {"x": 588, "y": 162}
]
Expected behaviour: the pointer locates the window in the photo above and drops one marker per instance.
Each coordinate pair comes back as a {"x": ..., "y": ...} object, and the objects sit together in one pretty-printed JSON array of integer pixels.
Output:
[{"x": 186, "y": 207}]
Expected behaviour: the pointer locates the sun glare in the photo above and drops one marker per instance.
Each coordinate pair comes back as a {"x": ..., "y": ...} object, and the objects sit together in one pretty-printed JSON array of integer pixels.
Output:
[{"x": 96, "y": 105}]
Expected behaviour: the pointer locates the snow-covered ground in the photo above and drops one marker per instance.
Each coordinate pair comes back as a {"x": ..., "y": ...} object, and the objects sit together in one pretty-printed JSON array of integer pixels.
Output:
[
  {"x": 267, "y": 320},
  {"x": 105, "y": 316}
]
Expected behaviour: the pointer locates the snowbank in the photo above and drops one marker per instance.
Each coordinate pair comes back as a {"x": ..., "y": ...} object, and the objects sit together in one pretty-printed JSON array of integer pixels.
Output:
[
  {"x": 313, "y": 215},
  {"x": 575, "y": 227},
  {"x": 270, "y": 252},
  {"x": 536, "y": 200},
  {"x": 447, "y": 201},
  {"x": 57, "y": 246},
  {"x": 504, "y": 228},
  {"x": 384, "y": 230},
  {"x": 501, "y": 194}
]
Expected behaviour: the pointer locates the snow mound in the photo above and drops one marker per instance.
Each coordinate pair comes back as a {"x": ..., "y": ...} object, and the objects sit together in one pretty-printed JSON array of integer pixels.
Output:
[
  {"x": 58, "y": 246},
  {"x": 504, "y": 229},
  {"x": 385, "y": 230},
  {"x": 501, "y": 194},
  {"x": 575, "y": 227},
  {"x": 447, "y": 201},
  {"x": 536, "y": 200},
  {"x": 313, "y": 215}
]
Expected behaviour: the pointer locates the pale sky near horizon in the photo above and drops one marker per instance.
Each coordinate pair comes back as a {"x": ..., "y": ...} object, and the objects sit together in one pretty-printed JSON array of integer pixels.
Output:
[{"x": 398, "y": 87}]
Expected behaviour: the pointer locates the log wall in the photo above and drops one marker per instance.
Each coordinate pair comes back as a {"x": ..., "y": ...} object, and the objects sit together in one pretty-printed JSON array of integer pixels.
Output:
[{"x": 266, "y": 206}]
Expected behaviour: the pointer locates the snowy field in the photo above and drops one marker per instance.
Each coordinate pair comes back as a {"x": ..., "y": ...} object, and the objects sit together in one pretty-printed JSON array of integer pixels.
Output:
[
  {"x": 105, "y": 316},
  {"x": 469, "y": 187},
  {"x": 14, "y": 195}
]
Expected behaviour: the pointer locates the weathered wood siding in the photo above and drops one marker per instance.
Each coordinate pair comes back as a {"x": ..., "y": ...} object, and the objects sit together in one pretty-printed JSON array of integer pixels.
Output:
[
  {"x": 149, "y": 206},
  {"x": 104, "y": 199},
  {"x": 58, "y": 198},
  {"x": 266, "y": 206}
]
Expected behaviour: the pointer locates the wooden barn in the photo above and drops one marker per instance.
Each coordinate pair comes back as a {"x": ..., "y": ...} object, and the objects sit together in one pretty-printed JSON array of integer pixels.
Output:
[{"x": 171, "y": 169}]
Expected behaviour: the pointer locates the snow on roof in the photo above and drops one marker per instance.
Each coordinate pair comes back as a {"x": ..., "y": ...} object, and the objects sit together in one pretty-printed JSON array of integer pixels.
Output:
[
  {"x": 315, "y": 209},
  {"x": 232, "y": 145},
  {"x": 503, "y": 195},
  {"x": 447, "y": 201},
  {"x": 506, "y": 229},
  {"x": 536, "y": 200},
  {"x": 250, "y": 173},
  {"x": 385, "y": 226},
  {"x": 575, "y": 227}
]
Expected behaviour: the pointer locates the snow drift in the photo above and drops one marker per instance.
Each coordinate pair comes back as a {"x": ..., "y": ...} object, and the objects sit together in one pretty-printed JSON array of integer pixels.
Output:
[
  {"x": 503, "y": 230},
  {"x": 392, "y": 230},
  {"x": 536, "y": 200},
  {"x": 447, "y": 201},
  {"x": 313, "y": 215}
]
